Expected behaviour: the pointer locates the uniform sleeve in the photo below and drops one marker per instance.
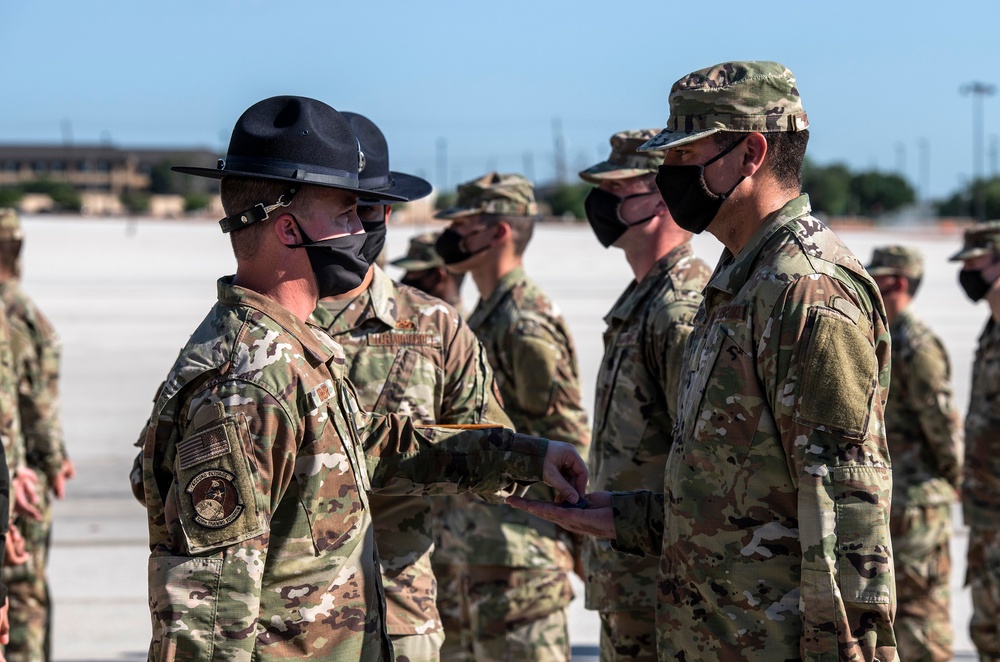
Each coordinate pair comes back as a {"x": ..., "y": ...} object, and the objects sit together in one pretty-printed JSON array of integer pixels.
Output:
[
  {"x": 219, "y": 487},
  {"x": 638, "y": 522},
  {"x": 931, "y": 397},
  {"x": 470, "y": 396},
  {"x": 493, "y": 462},
  {"x": 666, "y": 335},
  {"x": 4, "y": 515},
  {"x": 38, "y": 397},
  {"x": 826, "y": 370}
]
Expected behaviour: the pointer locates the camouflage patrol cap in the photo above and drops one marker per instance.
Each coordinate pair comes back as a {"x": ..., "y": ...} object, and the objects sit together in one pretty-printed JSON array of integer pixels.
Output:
[
  {"x": 10, "y": 225},
  {"x": 421, "y": 255},
  {"x": 625, "y": 161},
  {"x": 493, "y": 193},
  {"x": 980, "y": 239},
  {"x": 897, "y": 261},
  {"x": 734, "y": 96}
]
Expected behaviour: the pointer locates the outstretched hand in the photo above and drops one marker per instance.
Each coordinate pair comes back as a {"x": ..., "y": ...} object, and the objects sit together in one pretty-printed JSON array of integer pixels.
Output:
[
  {"x": 596, "y": 519},
  {"x": 565, "y": 471}
]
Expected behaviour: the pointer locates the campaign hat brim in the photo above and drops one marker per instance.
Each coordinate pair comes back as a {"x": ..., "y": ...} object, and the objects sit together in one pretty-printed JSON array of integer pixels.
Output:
[{"x": 295, "y": 176}]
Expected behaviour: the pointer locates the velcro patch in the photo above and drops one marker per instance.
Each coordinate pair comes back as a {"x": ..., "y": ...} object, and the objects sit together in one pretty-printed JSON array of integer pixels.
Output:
[
  {"x": 215, "y": 498},
  {"x": 321, "y": 394},
  {"x": 394, "y": 338},
  {"x": 204, "y": 446},
  {"x": 731, "y": 313}
]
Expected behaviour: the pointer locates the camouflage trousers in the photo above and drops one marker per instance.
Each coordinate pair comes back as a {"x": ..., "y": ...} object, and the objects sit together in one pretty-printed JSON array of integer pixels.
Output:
[
  {"x": 30, "y": 607},
  {"x": 983, "y": 577},
  {"x": 628, "y": 635},
  {"x": 417, "y": 647},
  {"x": 507, "y": 614},
  {"x": 920, "y": 538}
]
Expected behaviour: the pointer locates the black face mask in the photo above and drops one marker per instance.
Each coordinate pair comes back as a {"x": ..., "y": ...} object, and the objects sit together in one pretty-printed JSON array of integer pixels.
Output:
[
  {"x": 691, "y": 203},
  {"x": 338, "y": 264},
  {"x": 449, "y": 246},
  {"x": 425, "y": 283},
  {"x": 374, "y": 240},
  {"x": 604, "y": 212},
  {"x": 973, "y": 283}
]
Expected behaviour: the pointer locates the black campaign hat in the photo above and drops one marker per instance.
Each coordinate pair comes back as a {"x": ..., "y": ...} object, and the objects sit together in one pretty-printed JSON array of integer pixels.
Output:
[
  {"x": 297, "y": 140},
  {"x": 376, "y": 176}
]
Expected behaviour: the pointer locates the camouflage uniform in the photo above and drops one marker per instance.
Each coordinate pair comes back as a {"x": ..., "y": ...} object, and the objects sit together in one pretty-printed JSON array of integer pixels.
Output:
[
  {"x": 256, "y": 466},
  {"x": 411, "y": 354},
  {"x": 981, "y": 479},
  {"x": 634, "y": 413},
  {"x": 773, "y": 527},
  {"x": 517, "y": 582},
  {"x": 924, "y": 434}
]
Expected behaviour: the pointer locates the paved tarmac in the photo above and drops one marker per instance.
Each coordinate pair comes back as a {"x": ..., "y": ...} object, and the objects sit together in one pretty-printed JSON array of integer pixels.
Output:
[{"x": 124, "y": 297}]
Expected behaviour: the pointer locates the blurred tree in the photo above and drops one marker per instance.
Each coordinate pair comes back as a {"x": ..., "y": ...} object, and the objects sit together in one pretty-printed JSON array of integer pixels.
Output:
[
  {"x": 163, "y": 180},
  {"x": 445, "y": 200},
  {"x": 136, "y": 202},
  {"x": 829, "y": 187},
  {"x": 64, "y": 196},
  {"x": 961, "y": 202},
  {"x": 566, "y": 198},
  {"x": 196, "y": 202},
  {"x": 10, "y": 196},
  {"x": 877, "y": 193}
]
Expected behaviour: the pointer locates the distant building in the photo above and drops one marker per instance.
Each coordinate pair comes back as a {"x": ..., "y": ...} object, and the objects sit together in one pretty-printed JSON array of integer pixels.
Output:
[{"x": 101, "y": 173}]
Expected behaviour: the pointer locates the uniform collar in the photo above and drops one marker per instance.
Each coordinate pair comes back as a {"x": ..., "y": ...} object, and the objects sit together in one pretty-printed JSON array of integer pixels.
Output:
[
  {"x": 315, "y": 341},
  {"x": 378, "y": 300},
  {"x": 636, "y": 292},
  {"x": 733, "y": 271},
  {"x": 484, "y": 308}
]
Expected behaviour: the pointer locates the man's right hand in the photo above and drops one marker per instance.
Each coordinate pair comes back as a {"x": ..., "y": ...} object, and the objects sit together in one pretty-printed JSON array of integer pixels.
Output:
[
  {"x": 15, "y": 549},
  {"x": 26, "y": 498},
  {"x": 597, "y": 519},
  {"x": 66, "y": 472},
  {"x": 565, "y": 470}
]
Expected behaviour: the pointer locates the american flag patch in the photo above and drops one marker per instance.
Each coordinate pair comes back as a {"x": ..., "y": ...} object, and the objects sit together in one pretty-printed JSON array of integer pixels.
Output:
[{"x": 204, "y": 446}]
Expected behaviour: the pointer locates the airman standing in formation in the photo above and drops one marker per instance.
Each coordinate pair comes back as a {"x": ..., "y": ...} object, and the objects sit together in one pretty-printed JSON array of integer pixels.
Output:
[
  {"x": 257, "y": 459},
  {"x": 424, "y": 270},
  {"x": 980, "y": 278},
  {"x": 36, "y": 352},
  {"x": 636, "y": 404},
  {"x": 773, "y": 523},
  {"x": 408, "y": 353},
  {"x": 517, "y": 566},
  {"x": 924, "y": 433}
]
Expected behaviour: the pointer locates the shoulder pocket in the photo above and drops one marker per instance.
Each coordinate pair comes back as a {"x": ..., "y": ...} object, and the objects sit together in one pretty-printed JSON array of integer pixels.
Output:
[
  {"x": 184, "y": 601},
  {"x": 215, "y": 486},
  {"x": 839, "y": 376}
]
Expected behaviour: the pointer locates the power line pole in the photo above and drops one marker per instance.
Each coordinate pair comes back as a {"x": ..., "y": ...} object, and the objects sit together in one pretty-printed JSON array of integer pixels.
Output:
[
  {"x": 978, "y": 90},
  {"x": 924, "y": 157},
  {"x": 559, "y": 146},
  {"x": 442, "y": 164}
]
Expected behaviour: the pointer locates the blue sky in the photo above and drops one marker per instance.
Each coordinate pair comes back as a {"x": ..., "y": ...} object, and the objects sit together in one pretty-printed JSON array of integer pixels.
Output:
[{"x": 490, "y": 78}]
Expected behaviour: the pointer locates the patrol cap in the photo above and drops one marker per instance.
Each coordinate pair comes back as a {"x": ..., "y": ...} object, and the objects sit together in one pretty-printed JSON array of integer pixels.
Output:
[
  {"x": 10, "y": 225},
  {"x": 625, "y": 161},
  {"x": 493, "y": 193},
  {"x": 421, "y": 254},
  {"x": 740, "y": 97},
  {"x": 897, "y": 261},
  {"x": 980, "y": 239}
]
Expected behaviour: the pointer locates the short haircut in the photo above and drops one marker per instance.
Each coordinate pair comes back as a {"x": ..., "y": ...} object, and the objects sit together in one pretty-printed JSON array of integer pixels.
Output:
[
  {"x": 242, "y": 193},
  {"x": 521, "y": 228},
  {"x": 786, "y": 152}
]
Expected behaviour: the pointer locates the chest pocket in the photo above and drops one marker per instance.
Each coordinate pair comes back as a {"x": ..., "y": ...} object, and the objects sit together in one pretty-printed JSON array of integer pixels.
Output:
[
  {"x": 628, "y": 398},
  {"x": 330, "y": 470},
  {"x": 411, "y": 388},
  {"x": 721, "y": 402}
]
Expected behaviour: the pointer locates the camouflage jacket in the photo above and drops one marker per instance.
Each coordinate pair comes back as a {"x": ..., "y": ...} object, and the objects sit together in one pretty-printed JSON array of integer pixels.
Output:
[
  {"x": 536, "y": 371},
  {"x": 636, "y": 405},
  {"x": 256, "y": 467},
  {"x": 10, "y": 416},
  {"x": 922, "y": 427},
  {"x": 981, "y": 484},
  {"x": 36, "y": 350},
  {"x": 412, "y": 354},
  {"x": 775, "y": 536}
]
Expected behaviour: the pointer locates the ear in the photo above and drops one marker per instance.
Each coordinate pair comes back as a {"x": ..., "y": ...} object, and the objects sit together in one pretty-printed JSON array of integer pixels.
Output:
[
  {"x": 503, "y": 232},
  {"x": 388, "y": 212},
  {"x": 753, "y": 157},
  {"x": 287, "y": 230}
]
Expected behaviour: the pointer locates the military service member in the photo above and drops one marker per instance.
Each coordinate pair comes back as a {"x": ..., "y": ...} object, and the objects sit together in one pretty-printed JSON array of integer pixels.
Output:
[
  {"x": 411, "y": 354},
  {"x": 773, "y": 526},
  {"x": 518, "y": 582},
  {"x": 36, "y": 351},
  {"x": 980, "y": 278},
  {"x": 637, "y": 383},
  {"x": 925, "y": 440},
  {"x": 424, "y": 270},
  {"x": 257, "y": 459}
]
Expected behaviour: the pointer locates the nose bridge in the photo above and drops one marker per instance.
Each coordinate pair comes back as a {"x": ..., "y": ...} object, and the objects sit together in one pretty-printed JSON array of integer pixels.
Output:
[{"x": 354, "y": 225}]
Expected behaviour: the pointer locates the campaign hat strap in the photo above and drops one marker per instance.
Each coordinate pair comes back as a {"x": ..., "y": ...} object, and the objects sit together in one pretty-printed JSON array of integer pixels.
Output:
[{"x": 259, "y": 212}]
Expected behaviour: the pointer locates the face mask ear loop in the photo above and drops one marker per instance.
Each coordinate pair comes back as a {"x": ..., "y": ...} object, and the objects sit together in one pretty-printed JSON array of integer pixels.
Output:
[{"x": 725, "y": 196}]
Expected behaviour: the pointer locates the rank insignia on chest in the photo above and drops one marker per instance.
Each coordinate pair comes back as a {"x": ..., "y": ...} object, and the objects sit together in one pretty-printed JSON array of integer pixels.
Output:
[
  {"x": 405, "y": 324},
  {"x": 397, "y": 338},
  {"x": 215, "y": 499},
  {"x": 321, "y": 394}
]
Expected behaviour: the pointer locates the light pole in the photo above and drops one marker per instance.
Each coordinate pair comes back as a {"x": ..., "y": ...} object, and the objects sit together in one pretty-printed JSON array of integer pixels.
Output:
[{"x": 978, "y": 90}]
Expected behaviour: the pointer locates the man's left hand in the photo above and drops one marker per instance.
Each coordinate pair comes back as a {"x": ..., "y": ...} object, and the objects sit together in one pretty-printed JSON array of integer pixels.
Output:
[
  {"x": 565, "y": 470},
  {"x": 597, "y": 519}
]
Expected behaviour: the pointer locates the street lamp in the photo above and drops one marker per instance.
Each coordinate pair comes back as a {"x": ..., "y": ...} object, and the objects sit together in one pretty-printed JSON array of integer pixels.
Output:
[{"x": 978, "y": 90}]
